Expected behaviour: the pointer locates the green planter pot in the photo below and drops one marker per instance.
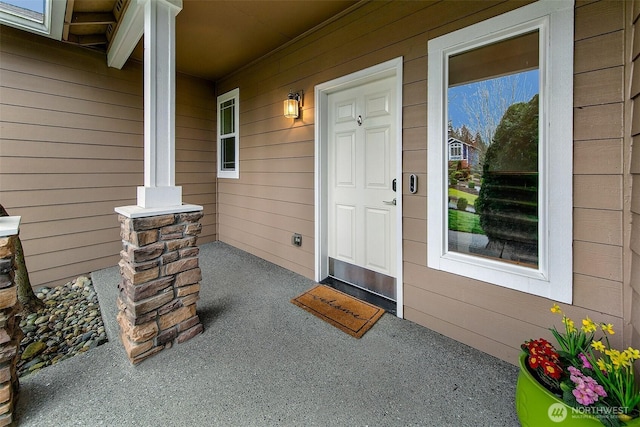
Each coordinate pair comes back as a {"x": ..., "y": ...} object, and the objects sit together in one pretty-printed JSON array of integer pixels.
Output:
[{"x": 537, "y": 407}]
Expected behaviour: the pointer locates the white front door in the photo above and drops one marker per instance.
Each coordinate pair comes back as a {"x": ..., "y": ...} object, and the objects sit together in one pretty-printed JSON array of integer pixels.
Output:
[{"x": 361, "y": 188}]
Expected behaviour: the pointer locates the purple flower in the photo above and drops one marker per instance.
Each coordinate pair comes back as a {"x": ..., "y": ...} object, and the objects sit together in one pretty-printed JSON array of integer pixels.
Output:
[
  {"x": 582, "y": 396},
  {"x": 585, "y": 362},
  {"x": 587, "y": 390},
  {"x": 574, "y": 371},
  {"x": 600, "y": 390}
]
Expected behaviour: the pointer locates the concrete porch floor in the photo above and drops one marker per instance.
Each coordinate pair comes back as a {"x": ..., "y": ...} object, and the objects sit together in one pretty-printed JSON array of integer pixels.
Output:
[{"x": 262, "y": 361}]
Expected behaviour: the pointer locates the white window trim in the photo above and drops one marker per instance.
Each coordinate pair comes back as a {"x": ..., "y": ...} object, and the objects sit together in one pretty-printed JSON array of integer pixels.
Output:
[
  {"x": 53, "y": 20},
  {"x": 233, "y": 94},
  {"x": 553, "y": 278},
  {"x": 455, "y": 151}
]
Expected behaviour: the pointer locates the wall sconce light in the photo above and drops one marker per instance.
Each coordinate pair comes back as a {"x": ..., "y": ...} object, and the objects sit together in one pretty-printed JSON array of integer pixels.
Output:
[{"x": 292, "y": 105}]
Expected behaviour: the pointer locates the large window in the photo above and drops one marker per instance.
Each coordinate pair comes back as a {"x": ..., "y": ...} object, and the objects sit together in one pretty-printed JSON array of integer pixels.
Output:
[
  {"x": 228, "y": 136},
  {"x": 44, "y": 17},
  {"x": 500, "y": 150}
]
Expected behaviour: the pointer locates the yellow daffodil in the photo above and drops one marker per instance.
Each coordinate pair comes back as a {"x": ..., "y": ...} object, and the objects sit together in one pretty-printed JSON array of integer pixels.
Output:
[
  {"x": 556, "y": 309},
  {"x": 598, "y": 345},
  {"x": 617, "y": 362},
  {"x": 588, "y": 325},
  {"x": 612, "y": 352},
  {"x": 601, "y": 365},
  {"x": 616, "y": 358},
  {"x": 608, "y": 328},
  {"x": 624, "y": 359},
  {"x": 569, "y": 323},
  {"x": 633, "y": 353}
]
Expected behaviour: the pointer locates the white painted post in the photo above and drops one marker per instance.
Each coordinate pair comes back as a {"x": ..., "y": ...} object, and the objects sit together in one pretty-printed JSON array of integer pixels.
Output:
[
  {"x": 160, "y": 195},
  {"x": 159, "y": 189}
]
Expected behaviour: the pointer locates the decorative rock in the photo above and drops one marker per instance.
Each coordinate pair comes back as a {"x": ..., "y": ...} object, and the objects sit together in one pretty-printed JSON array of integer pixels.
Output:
[
  {"x": 36, "y": 367},
  {"x": 33, "y": 362},
  {"x": 72, "y": 324},
  {"x": 33, "y": 350},
  {"x": 41, "y": 319}
]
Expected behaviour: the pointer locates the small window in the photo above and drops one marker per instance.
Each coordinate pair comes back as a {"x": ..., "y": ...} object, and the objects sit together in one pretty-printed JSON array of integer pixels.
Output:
[
  {"x": 228, "y": 136},
  {"x": 44, "y": 17},
  {"x": 455, "y": 150},
  {"x": 500, "y": 150}
]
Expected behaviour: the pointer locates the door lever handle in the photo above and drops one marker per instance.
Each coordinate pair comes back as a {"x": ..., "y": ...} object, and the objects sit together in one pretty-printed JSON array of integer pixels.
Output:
[{"x": 390, "y": 202}]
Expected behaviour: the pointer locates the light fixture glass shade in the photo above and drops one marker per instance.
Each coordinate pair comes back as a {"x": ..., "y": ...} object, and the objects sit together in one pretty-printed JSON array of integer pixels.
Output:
[{"x": 291, "y": 108}]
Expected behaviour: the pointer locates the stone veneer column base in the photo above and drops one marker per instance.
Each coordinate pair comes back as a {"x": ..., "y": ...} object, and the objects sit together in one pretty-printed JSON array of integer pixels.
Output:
[
  {"x": 10, "y": 333},
  {"x": 160, "y": 282}
]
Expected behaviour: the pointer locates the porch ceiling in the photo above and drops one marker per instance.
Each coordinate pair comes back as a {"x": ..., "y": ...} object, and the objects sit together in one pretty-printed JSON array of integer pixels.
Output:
[{"x": 213, "y": 37}]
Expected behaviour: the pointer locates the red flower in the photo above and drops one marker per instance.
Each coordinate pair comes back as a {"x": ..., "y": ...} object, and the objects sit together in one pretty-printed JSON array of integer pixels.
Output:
[
  {"x": 543, "y": 357},
  {"x": 552, "y": 370}
]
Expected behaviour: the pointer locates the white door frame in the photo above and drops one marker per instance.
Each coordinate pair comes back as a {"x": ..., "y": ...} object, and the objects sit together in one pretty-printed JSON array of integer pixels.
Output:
[{"x": 391, "y": 68}]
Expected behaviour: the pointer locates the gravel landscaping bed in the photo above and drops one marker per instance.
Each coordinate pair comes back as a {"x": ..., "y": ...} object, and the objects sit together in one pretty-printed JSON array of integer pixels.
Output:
[{"x": 70, "y": 323}]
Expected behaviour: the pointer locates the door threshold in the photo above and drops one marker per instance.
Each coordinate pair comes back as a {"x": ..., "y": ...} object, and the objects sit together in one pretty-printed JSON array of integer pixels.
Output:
[{"x": 362, "y": 294}]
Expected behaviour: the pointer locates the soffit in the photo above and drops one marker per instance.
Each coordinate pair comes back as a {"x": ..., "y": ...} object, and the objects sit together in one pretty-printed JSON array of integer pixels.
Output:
[
  {"x": 213, "y": 37},
  {"x": 91, "y": 23}
]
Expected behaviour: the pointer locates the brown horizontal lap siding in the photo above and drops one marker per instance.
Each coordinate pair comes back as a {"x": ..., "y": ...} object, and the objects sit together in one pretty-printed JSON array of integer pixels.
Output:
[
  {"x": 598, "y": 157},
  {"x": 273, "y": 197},
  {"x": 71, "y": 150},
  {"x": 277, "y": 154}
]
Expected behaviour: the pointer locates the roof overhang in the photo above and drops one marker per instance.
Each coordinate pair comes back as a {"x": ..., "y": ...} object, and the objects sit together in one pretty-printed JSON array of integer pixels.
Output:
[
  {"x": 129, "y": 32},
  {"x": 214, "y": 38}
]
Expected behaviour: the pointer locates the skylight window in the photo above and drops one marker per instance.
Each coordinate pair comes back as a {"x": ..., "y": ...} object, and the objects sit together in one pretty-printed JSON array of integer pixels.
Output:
[{"x": 44, "y": 17}]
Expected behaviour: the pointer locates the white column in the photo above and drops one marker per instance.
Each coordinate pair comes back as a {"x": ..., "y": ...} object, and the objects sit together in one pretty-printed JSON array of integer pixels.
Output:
[{"x": 159, "y": 189}]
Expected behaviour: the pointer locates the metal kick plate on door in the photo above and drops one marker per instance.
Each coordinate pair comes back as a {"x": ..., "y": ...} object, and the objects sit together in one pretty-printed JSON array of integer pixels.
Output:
[{"x": 369, "y": 280}]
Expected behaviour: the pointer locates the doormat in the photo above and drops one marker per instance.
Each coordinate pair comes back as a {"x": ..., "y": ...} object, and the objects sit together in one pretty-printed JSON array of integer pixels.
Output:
[{"x": 343, "y": 311}]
